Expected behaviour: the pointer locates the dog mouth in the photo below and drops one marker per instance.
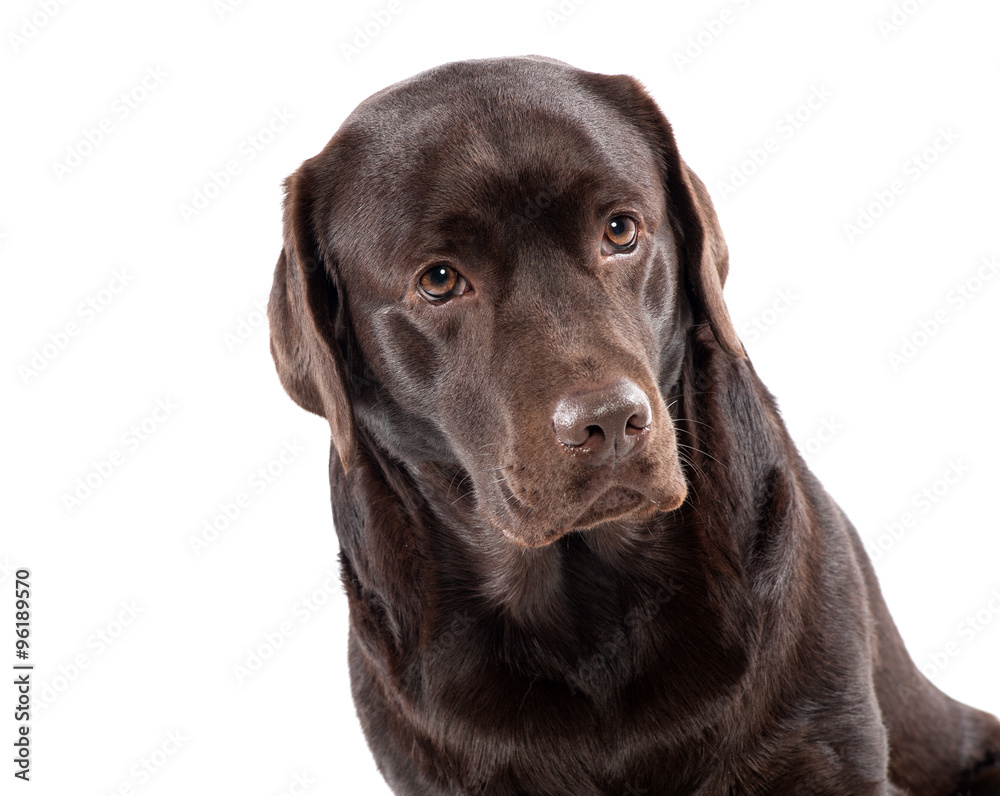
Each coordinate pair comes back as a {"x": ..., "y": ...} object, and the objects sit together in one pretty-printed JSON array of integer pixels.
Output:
[
  {"x": 536, "y": 492},
  {"x": 523, "y": 524},
  {"x": 616, "y": 503}
]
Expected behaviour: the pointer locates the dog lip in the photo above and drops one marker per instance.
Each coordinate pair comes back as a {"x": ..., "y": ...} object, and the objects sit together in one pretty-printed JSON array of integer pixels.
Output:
[
  {"x": 616, "y": 502},
  {"x": 620, "y": 502}
]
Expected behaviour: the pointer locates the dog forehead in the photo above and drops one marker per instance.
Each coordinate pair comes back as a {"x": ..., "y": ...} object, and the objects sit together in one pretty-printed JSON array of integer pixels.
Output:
[
  {"x": 489, "y": 92},
  {"x": 496, "y": 115},
  {"x": 472, "y": 145}
]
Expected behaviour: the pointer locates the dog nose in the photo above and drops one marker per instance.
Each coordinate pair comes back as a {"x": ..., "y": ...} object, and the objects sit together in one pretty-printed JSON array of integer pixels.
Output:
[{"x": 605, "y": 424}]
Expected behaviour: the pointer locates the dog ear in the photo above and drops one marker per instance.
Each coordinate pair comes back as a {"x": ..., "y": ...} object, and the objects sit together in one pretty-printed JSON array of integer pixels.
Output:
[
  {"x": 706, "y": 253},
  {"x": 699, "y": 236},
  {"x": 302, "y": 312}
]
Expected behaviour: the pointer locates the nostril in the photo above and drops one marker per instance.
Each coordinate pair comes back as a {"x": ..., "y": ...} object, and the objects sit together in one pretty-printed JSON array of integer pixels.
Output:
[
  {"x": 604, "y": 423},
  {"x": 636, "y": 425},
  {"x": 642, "y": 411},
  {"x": 595, "y": 431}
]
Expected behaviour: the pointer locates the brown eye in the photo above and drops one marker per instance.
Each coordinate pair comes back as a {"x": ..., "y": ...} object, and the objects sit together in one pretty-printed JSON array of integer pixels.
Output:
[
  {"x": 619, "y": 235},
  {"x": 442, "y": 282}
]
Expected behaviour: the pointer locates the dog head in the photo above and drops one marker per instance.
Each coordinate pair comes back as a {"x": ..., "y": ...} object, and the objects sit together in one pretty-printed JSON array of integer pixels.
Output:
[{"x": 494, "y": 266}]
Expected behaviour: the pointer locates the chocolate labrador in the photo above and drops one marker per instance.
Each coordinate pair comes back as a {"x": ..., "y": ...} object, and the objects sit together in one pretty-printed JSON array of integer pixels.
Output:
[{"x": 581, "y": 552}]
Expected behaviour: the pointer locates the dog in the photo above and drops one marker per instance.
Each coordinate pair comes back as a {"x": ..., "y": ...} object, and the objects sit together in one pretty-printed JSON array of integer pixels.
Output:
[{"x": 581, "y": 552}]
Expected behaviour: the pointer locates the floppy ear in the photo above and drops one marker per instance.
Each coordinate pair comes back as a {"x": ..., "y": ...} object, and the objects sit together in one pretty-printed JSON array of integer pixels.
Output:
[
  {"x": 302, "y": 313},
  {"x": 699, "y": 237},
  {"x": 706, "y": 253}
]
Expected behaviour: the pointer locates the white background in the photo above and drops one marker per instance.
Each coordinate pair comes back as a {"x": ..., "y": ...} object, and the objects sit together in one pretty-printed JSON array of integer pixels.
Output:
[{"x": 878, "y": 434}]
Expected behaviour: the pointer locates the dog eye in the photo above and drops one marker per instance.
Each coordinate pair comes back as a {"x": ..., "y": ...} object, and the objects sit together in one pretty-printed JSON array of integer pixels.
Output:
[
  {"x": 620, "y": 234},
  {"x": 442, "y": 282}
]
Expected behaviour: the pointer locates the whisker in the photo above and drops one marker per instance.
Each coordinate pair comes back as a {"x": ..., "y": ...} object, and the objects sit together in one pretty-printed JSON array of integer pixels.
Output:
[
  {"x": 692, "y": 420},
  {"x": 688, "y": 462},
  {"x": 701, "y": 452}
]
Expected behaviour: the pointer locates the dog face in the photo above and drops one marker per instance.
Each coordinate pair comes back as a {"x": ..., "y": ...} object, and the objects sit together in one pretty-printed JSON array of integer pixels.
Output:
[{"x": 491, "y": 282}]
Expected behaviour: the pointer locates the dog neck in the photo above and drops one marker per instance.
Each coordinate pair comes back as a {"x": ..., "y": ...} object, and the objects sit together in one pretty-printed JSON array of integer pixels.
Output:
[{"x": 413, "y": 572}]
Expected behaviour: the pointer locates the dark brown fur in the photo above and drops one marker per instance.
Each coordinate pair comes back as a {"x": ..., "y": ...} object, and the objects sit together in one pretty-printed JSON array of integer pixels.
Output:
[{"x": 696, "y": 618}]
